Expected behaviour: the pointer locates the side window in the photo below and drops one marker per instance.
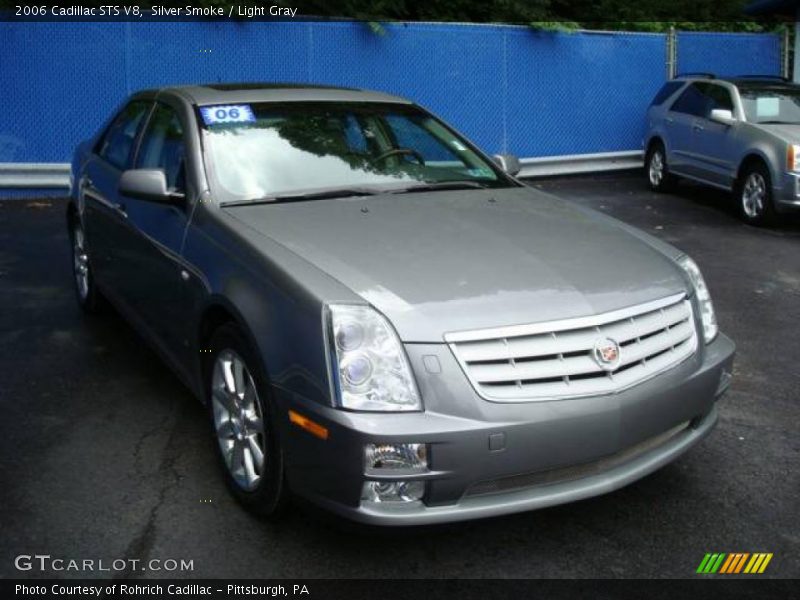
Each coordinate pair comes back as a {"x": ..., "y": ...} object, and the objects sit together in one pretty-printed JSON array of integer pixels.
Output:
[
  {"x": 665, "y": 92},
  {"x": 720, "y": 98},
  {"x": 409, "y": 134},
  {"x": 116, "y": 145},
  {"x": 693, "y": 101},
  {"x": 163, "y": 147},
  {"x": 356, "y": 139}
]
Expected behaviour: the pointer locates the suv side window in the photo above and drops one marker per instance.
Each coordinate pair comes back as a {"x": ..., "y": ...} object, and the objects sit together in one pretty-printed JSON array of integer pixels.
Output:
[
  {"x": 117, "y": 143},
  {"x": 665, "y": 92},
  {"x": 693, "y": 101},
  {"x": 719, "y": 97},
  {"x": 163, "y": 147}
]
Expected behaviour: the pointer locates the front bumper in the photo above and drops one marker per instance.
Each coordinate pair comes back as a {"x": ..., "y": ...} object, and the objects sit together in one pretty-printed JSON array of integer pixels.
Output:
[
  {"x": 787, "y": 193},
  {"x": 488, "y": 459}
]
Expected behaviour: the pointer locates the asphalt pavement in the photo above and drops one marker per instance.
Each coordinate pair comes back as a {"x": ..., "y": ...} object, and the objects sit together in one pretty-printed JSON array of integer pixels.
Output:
[{"x": 105, "y": 455}]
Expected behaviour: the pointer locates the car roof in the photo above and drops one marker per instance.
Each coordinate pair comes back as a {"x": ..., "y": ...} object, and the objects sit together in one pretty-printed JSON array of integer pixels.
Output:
[
  {"x": 742, "y": 81},
  {"x": 231, "y": 93}
]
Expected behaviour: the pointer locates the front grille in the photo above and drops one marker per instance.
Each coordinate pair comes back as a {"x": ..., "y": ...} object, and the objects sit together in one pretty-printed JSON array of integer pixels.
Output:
[{"x": 557, "y": 359}]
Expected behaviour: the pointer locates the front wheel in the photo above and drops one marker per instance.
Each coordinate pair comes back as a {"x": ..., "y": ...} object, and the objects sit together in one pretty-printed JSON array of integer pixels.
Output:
[
  {"x": 754, "y": 194},
  {"x": 658, "y": 176},
  {"x": 243, "y": 421}
]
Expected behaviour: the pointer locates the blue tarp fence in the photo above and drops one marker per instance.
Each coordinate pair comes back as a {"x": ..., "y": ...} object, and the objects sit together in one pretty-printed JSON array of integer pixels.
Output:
[{"x": 508, "y": 88}]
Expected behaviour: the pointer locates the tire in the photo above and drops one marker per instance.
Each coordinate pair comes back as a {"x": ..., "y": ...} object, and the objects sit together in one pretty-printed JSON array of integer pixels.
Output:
[
  {"x": 659, "y": 179},
  {"x": 243, "y": 422},
  {"x": 754, "y": 195},
  {"x": 89, "y": 297}
]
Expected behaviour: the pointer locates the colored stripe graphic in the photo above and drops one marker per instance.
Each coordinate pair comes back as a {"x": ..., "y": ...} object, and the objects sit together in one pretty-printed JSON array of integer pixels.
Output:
[
  {"x": 734, "y": 563},
  {"x": 758, "y": 563},
  {"x": 711, "y": 563}
]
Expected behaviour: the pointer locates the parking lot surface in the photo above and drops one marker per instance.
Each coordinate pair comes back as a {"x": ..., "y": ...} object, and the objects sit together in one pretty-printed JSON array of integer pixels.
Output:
[{"x": 105, "y": 455}]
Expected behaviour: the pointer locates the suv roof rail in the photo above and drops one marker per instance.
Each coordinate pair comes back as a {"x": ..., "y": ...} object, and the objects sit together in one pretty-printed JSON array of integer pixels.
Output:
[
  {"x": 704, "y": 75},
  {"x": 768, "y": 77}
]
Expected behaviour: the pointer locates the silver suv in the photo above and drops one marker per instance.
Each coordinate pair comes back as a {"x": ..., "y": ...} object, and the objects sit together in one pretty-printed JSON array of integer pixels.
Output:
[{"x": 740, "y": 134}]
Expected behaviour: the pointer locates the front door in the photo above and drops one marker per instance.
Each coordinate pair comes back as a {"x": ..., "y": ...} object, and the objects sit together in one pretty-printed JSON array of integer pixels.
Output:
[
  {"x": 154, "y": 280},
  {"x": 715, "y": 141}
]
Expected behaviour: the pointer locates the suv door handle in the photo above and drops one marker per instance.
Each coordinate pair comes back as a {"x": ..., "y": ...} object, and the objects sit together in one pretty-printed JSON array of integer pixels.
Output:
[
  {"x": 669, "y": 120},
  {"x": 697, "y": 127}
]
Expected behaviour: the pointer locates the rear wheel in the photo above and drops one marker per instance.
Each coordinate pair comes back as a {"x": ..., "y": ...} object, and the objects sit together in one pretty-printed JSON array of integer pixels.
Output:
[
  {"x": 658, "y": 176},
  {"x": 243, "y": 421},
  {"x": 89, "y": 298},
  {"x": 754, "y": 195}
]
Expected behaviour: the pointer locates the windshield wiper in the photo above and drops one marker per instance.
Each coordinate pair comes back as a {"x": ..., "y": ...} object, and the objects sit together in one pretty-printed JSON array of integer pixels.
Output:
[
  {"x": 441, "y": 185},
  {"x": 320, "y": 195}
]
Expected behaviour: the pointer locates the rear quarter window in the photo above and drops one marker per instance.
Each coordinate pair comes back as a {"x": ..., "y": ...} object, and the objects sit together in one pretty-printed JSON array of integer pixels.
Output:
[{"x": 665, "y": 92}]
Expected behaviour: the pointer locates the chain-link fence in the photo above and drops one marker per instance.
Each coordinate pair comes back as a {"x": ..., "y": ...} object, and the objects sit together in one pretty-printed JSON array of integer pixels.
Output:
[{"x": 508, "y": 88}]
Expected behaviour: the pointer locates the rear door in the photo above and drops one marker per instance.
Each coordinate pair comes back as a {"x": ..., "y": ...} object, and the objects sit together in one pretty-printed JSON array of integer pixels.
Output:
[
  {"x": 104, "y": 219},
  {"x": 684, "y": 120}
]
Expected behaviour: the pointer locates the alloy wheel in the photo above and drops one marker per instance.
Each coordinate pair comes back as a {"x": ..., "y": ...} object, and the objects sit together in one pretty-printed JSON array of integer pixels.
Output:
[
  {"x": 80, "y": 261},
  {"x": 754, "y": 194},
  {"x": 656, "y": 168},
  {"x": 238, "y": 421}
]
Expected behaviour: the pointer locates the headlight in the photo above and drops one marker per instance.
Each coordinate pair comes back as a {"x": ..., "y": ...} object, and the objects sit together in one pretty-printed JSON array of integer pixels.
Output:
[
  {"x": 710, "y": 328},
  {"x": 369, "y": 364},
  {"x": 793, "y": 157}
]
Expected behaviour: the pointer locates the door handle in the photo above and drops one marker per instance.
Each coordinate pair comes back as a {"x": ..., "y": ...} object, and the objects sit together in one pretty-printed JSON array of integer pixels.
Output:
[
  {"x": 697, "y": 127},
  {"x": 120, "y": 208},
  {"x": 669, "y": 120}
]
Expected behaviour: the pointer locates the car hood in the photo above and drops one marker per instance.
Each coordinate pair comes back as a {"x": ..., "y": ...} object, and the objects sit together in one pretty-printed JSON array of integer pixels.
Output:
[
  {"x": 788, "y": 133},
  {"x": 445, "y": 261}
]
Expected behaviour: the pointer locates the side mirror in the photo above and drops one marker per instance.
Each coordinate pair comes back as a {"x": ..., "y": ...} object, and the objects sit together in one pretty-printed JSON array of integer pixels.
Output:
[
  {"x": 148, "y": 184},
  {"x": 508, "y": 162},
  {"x": 720, "y": 115}
]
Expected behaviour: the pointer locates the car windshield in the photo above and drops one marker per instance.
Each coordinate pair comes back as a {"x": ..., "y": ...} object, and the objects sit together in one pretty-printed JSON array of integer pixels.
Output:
[
  {"x": 268, "y": 151},
  {"x": 771, "y": 105}
]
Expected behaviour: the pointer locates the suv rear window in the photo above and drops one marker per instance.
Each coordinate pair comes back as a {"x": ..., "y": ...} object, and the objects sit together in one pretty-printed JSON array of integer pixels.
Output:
[{"x": 665, "y": 92}]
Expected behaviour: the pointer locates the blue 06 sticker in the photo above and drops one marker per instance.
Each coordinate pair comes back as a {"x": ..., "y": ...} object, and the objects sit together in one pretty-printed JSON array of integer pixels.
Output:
[{"x": 229, "y": 113}]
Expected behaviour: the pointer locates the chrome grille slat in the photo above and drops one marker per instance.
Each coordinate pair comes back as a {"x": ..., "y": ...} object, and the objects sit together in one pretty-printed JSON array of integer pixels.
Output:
[
  {"x": 548, "y": 361},
  {"x": 538, "y": 369}
]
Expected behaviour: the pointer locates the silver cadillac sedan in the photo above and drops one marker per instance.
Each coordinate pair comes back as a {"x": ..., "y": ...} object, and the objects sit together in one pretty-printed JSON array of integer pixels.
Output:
[{"x": 380, "y": 318}]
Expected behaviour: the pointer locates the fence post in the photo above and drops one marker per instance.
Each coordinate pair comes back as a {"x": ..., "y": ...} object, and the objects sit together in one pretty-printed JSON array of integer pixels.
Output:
[
  {"x": 785, "y": 51},
  {"x": 672, "y": 53}
]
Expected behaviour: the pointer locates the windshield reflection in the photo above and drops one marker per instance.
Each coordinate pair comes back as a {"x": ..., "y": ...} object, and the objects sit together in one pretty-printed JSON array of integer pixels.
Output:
[{"x": 302, "y": 146}]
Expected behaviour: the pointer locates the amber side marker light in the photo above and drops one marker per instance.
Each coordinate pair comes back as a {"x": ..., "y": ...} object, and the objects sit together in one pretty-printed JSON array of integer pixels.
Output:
[{"x": 310, "y": 426}]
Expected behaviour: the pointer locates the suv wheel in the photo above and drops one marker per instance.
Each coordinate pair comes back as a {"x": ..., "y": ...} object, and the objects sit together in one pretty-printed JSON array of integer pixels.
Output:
[
  {"x": 658, "y": 176},
  {"x": 754, "y": 194},
  {"x": 243, "y": 422},
  {"x": 89, "y": 298}
]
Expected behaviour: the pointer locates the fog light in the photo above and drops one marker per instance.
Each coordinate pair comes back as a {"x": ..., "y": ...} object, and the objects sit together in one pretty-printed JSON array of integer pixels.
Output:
[
  {"x": 393, "y": 491},
  {"x": 393, "y": 457}
]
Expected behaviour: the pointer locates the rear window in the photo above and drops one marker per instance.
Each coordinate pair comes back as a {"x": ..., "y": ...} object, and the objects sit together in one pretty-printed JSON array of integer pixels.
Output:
[{"x": 665, "y": 92}]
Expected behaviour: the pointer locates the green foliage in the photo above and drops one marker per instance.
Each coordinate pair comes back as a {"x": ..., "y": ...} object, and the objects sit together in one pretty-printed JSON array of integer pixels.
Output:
[{"x": 557, "y": 26}]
